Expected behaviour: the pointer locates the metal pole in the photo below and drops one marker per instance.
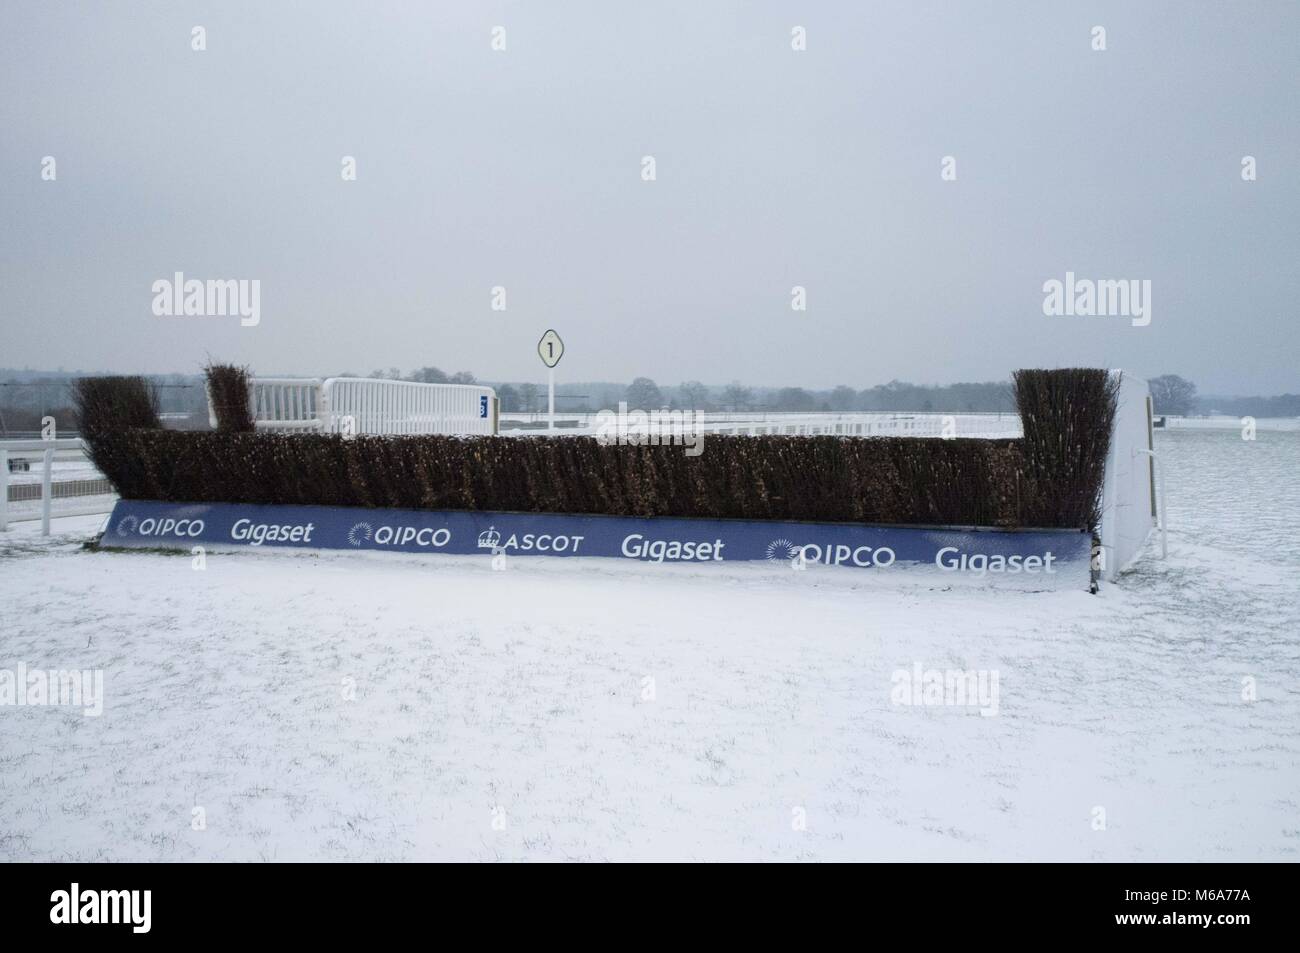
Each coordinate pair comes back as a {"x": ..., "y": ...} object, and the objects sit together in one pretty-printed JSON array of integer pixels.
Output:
[
  {"x": 550, "y": 399},
  {"x": 1164, "y": 517},
  {"x": 1164, "y": 514},
  {"x": 4, "y": 490},
  {"x": 47, "y": 491}
]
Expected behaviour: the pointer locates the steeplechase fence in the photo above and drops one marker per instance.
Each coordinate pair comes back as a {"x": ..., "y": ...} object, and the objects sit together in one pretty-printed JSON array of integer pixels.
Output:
[{"x": 1076, "y": 485}]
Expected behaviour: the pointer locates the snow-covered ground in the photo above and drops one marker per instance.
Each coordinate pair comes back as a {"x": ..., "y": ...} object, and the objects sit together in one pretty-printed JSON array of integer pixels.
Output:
[{"x": 368, "y": 706}]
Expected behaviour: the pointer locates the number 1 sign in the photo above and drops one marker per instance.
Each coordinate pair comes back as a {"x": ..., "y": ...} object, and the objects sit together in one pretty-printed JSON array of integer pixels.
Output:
[{"x": 550, "y": 349}]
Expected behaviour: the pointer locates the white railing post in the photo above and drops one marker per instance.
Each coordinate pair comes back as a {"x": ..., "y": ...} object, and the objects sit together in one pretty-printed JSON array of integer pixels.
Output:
[
  {"x": 323, "y": 407},
  {"x": 4, "y": 490},
  {"x": 47, "y": 490}
]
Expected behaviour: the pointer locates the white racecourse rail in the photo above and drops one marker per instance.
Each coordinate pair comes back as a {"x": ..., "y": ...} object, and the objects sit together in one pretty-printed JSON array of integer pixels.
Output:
[
  {"x": 287, "y": 404},
  {"x": 843, "y": 425},
  {"x": 51, "y": 478}
]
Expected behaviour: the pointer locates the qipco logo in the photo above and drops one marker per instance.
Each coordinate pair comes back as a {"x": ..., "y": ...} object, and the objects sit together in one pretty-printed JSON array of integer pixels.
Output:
[
  {"x": 155, "y": 528},
  {"x": 842, "y": 555},
  {"x": 425, "y": 537}
]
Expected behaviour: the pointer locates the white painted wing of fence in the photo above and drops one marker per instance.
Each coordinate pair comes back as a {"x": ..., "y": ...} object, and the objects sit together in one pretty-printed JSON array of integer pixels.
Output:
[
  {"x": 408, "y": 407},
  {"x": 1127, "y": 516},
  {"x": 284, "y": 403},
  {"x": 363, "y": 405}
]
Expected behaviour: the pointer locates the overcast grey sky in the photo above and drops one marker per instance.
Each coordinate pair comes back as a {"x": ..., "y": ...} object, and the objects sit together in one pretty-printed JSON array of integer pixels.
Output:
[{"x": 523, "y": 168}]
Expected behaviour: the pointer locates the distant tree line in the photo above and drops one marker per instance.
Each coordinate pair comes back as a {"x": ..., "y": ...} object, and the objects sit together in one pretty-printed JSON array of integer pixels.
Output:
[
  {"x": 27, "y": 396},
  {"x": 643, "y": 393},
  {"x": 1283, "y": 405},
  {"x": 1171, "y": 394}
]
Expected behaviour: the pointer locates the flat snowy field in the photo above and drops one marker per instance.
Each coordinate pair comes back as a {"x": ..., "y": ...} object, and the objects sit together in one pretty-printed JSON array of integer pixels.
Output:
[{"x": 368, "y": 706}]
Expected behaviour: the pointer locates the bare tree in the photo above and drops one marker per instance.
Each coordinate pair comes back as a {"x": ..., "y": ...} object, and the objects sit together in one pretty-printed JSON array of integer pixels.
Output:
[
  {"x": 643, "y": 394},
  {"x": 795, "y": 399},
  {"x": 430, "y": 375},
  {"x": 843, "y": 398},
  {"x": 1172, "y": 394},
  {"x": 694, "y": 394},
  {"x": 737, "y": 396},
  {"x": 509, "y": 399}
]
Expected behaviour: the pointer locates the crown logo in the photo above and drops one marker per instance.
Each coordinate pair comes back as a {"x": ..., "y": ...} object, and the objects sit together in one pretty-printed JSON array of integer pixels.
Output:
[{"x": 489, "y": 539}]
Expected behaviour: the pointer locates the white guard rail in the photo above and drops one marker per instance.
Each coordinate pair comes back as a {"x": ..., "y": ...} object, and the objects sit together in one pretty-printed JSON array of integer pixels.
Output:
[
  {"x": 362, "y": 405},
  {"x": 86, "y": 493}
]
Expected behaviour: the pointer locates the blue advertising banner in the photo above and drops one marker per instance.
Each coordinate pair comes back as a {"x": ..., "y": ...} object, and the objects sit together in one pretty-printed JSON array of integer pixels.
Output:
[{"x": 148, "y": 524}]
